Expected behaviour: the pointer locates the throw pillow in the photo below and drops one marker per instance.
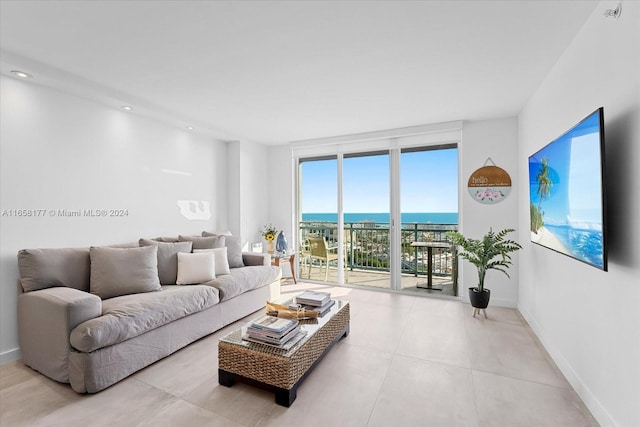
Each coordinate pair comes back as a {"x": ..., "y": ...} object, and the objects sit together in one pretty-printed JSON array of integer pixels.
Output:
[
  {"x": 222, "y": 263},
  {"x": 167, "y": 258},
  {"x": 166, "y": 239},
  {"x": 234, "y": 249},
  {"x": 211, "y": 242},
  {"x": 45, "y": 268},
  {"x": 119, "y": 271},
  {"x": 196, "y": 268}
]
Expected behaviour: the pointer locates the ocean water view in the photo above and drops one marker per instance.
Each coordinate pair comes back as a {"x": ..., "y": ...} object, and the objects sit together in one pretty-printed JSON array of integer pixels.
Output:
[
  {"x": 586, "y": 245},
  {"x": 383, "y": 218}
]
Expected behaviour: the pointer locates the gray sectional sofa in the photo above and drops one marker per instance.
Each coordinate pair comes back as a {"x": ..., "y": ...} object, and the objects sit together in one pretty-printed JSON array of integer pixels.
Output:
[{"x": 93, "y": 316}]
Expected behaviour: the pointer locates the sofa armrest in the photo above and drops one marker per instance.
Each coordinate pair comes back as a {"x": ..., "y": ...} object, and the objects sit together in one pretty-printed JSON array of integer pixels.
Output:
[
  {"x": 46, "y": 318},
  {"x": 256, "y": 258}
]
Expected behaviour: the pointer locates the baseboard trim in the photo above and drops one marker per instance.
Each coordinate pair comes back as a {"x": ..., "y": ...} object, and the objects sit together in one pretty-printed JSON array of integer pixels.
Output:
[
  {"x": 10, "y": 356},
  {"x": 598, "y": 411}
]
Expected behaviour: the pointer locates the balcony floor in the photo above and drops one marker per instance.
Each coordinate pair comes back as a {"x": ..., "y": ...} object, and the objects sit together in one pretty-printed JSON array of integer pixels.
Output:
[{"x": 378, "y": 279}]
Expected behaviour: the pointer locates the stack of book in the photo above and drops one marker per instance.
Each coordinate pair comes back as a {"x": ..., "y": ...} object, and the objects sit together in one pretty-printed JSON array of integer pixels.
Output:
[
  {"x": 314, "y": 300},
  {"x": 273, "y": 331}
]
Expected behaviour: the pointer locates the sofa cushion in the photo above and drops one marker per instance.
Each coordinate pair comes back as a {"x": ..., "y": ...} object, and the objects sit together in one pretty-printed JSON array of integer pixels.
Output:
[
  {"x": 128, "y": 316},
  {"x": 234, "y": 248},
  {"x": 255, "y": 258},
  {"x": 168, "y": 258},
  {"x": 221, "y": 261},
  {"x": 211, "y": 242},
  {"x": 46, "y": 268},
  {"x": 116, "y": 271},
  {"x": 244, "y": 279},
  {"x": 196, "y": 268}
]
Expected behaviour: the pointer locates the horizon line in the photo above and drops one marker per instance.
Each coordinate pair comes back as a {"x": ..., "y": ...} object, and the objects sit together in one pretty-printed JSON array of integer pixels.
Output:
[{"x": 377, "y": 212}]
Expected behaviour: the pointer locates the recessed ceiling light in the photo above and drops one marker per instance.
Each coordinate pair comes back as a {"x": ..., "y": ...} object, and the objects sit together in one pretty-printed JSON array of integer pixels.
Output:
[
  {"x": 189, "y": 127},
  {"x": 21, "y": 74},
  {"x": 127, "y": 107}
]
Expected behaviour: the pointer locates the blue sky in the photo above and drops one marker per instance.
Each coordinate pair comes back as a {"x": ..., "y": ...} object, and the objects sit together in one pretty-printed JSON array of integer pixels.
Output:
[{"x": 428, "y": 180}]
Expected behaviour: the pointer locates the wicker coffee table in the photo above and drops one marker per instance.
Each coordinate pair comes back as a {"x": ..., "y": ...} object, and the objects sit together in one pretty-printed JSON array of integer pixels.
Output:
[{"x": 279, "y": 370}]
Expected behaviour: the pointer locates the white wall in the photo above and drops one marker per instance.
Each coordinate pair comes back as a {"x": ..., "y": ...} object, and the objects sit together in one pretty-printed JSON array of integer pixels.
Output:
[
  {"x": 249, "y": 190},
  {"x": 62, "y": 152},
  {"x": 281, "y": 197},
  {"x": 589, "y": 320},
  {"x": 256, "y": 193},
  {"x": 234, "y": 184},
  {"x": 281, "y": 206},
  {"x": 497, "y": 139}
]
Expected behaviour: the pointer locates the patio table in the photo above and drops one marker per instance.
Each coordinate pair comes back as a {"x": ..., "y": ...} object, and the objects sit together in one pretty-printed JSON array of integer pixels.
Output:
[{"x": 429, "y": 246}]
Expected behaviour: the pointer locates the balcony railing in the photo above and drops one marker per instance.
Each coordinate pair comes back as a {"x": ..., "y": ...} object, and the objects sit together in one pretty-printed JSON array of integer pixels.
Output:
[{"x": 367, "y": 245}]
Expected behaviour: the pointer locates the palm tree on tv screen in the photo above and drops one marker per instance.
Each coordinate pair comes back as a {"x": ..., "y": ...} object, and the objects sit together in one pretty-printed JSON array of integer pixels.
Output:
[{"x": 544, "y": 188}]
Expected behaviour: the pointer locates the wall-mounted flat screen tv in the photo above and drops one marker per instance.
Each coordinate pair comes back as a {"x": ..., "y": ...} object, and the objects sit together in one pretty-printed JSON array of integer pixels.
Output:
[{"x": 567, "y": 193}]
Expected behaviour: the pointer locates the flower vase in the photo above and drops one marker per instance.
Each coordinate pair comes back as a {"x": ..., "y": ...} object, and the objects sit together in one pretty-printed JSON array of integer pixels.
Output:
[{"x": 270, "y": 247}]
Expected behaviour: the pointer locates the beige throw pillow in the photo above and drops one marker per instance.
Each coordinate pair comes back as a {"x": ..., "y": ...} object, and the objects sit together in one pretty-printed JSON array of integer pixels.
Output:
[
  {"x": 222, "y": 264},
  {"x": 196, "y": 268}
]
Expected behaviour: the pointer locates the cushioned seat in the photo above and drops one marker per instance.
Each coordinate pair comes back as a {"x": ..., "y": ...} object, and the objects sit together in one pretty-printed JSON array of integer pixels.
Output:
[
  {"x": 128, "y": 316},
  {"x": 91, "y": 317},
  {"x": 244, "y": 279}
]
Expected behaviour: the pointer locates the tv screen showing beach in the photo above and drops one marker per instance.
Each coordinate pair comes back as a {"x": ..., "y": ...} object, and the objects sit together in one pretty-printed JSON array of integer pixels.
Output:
[{"x": 566, "y": 193}]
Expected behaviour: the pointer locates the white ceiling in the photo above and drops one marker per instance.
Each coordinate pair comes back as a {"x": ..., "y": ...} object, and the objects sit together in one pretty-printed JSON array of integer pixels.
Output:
[{"x": 277, "y": 71}]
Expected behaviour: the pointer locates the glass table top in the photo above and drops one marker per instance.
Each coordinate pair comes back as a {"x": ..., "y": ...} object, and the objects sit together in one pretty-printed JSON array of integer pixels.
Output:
[{"x": 308, "y": 326}]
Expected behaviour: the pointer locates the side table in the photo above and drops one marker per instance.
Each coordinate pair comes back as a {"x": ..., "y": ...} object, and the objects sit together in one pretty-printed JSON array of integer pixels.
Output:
[
  {"x": 429, "y": 246},
  {"x": 291, "y": 259}
]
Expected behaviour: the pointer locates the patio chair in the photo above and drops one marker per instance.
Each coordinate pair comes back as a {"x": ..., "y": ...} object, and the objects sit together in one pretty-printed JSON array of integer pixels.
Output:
[
  {"x": 319, "y": 250},
  {"x": 304, "y": 256}
]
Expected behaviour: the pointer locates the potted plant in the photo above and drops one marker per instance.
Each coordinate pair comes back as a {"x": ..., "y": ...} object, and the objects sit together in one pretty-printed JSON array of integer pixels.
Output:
[{"x": 489, "y": 253}]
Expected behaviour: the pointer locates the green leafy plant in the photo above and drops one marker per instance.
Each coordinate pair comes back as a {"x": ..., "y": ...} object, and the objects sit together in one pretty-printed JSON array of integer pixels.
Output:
[{"x": 489, "y": 253}]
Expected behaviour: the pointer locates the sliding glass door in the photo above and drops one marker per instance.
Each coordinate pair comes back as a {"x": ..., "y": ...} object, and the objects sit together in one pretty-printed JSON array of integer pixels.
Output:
[
  {"x": 365, "y": 191},
  {"x": 379, "y": 218},
  {"x": 318, "y": 220},
  {"x": 429, "y": 206}
]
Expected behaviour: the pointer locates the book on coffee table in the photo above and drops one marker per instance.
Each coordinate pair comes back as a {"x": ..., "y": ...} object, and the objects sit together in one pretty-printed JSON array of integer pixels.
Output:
[
  {"x": 322, "y": 310},
  {"x": 286, "y": 346},
  {"x": 314, "y": 298},
  {"x": 271, "y": 337},
  {"x": 273, "y": 324}
]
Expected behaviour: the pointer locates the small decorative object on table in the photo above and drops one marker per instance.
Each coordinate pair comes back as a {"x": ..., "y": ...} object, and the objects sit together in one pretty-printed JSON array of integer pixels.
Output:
[
  {"x": 281, "y": 243},
  {"x": 269, "y": 233},
  {"x": 288, "y": 312}
]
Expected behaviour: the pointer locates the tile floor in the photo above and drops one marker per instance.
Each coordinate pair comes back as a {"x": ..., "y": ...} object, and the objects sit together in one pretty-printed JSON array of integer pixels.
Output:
[{"x": 408, "y": 361}]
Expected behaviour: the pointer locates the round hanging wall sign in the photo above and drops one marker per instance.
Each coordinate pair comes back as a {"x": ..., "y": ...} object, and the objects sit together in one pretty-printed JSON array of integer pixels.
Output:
[{"x": 489, "y": 184}]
